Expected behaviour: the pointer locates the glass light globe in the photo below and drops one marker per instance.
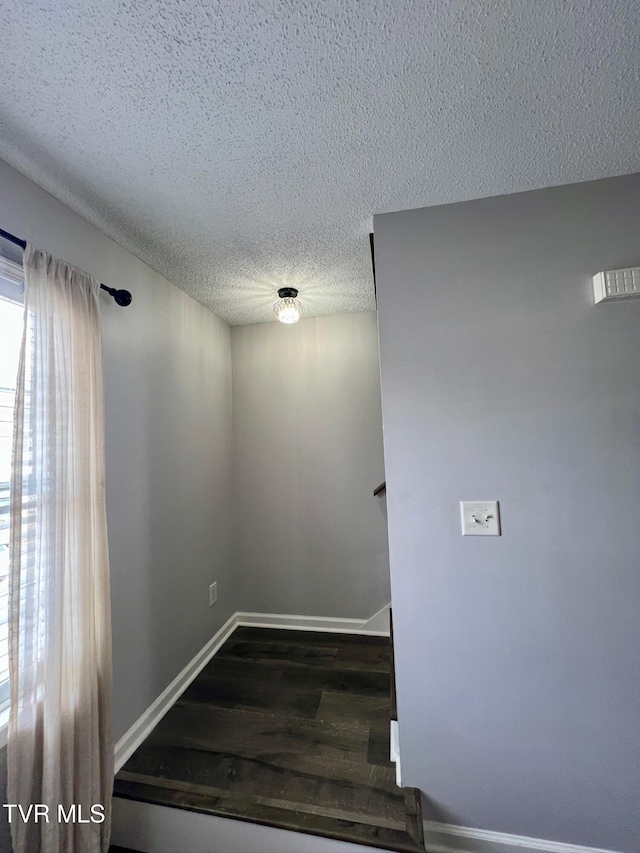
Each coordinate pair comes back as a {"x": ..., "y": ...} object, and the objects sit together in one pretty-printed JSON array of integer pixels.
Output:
[{"x": 288, "y": 309}]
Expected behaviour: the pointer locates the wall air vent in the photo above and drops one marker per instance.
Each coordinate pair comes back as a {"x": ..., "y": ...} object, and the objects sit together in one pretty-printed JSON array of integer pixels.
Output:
[{"x": 611, "y": 285}]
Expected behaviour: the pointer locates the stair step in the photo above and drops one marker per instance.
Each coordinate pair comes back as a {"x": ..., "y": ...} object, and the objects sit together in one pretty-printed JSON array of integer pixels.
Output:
[{"x": 242, "y": 809}]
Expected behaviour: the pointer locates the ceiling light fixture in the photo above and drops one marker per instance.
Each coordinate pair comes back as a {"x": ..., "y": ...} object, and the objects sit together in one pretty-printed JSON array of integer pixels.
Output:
[{"x": 288, "y": 309}]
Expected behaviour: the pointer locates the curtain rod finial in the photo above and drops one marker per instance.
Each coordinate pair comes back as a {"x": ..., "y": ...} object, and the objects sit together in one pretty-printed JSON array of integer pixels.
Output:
[{"x": 122, "y": 297}]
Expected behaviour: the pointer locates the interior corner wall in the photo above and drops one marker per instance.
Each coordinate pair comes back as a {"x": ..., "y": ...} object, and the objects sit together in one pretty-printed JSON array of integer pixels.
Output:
[
  {"x": 517, "y": 672},
  {"x": 309, "y": 537},
  {"x": 168, "y": 420}
]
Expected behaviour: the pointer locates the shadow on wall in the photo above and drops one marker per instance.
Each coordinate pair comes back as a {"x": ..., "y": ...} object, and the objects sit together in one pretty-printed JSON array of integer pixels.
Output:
[{"x": 382, "y": 504}]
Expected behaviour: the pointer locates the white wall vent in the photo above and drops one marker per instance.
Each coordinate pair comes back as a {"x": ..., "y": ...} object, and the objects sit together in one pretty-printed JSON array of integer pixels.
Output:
[{"x": 616, "y": 284}]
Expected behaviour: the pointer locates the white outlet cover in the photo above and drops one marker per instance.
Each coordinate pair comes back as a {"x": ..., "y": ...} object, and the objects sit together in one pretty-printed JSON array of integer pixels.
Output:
[
  {"x": 213, "y": 593},
  {"x": 480, "y": 518}
]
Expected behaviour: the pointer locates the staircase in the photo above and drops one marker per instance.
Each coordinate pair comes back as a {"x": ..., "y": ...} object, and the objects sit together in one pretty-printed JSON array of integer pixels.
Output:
[{"x": 288, "y": 729}]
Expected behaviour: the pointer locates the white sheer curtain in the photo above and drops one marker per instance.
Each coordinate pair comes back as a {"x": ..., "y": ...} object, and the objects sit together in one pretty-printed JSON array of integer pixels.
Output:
[{"x": 60, "y": 750}]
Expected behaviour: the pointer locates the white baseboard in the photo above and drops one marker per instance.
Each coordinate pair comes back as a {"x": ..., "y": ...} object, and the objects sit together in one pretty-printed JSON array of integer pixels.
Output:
[
  {"x": 299, "y": 623},
  {"x": 380, "y": 621},
  {"x": 331, "y": 624},
  {"x": 447, "y": 838},
  {"x": 132, "y": 739}
]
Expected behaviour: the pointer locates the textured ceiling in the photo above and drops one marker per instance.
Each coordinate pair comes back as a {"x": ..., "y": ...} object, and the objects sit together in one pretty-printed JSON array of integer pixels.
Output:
[{"x": 242, "y": 145}]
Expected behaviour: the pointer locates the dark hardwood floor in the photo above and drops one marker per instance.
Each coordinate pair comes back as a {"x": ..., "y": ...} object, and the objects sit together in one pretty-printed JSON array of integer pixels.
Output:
[{"x": 289, "y": 729}]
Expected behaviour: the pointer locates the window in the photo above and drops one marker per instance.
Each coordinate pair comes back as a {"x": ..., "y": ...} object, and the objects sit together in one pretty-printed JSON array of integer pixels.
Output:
[{"x": 11, "y": 324}]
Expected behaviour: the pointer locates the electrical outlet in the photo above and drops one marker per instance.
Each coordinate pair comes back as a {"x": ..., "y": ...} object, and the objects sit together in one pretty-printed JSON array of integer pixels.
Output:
[{"x": 213, "y": 593}]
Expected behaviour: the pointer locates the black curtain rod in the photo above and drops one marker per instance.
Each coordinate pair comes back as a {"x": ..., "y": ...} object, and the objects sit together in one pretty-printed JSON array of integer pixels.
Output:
[{"x": 122, "y": 297}]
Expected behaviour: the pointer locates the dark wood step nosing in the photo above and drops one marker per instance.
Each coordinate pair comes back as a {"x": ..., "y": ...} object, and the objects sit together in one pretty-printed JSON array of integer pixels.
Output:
[{"x": 402, "y": 845}]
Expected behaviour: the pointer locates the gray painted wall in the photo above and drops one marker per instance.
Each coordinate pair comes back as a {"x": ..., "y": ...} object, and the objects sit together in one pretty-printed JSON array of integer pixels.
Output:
[
  {"x": 517, "y": 657},
  {"x": 167, "y": 371},
  {"x": 309, "y": 537}
]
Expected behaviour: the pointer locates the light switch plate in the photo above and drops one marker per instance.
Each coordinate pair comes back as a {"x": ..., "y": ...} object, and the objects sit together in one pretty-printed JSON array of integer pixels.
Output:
[{"x": 480, "y": 518}]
